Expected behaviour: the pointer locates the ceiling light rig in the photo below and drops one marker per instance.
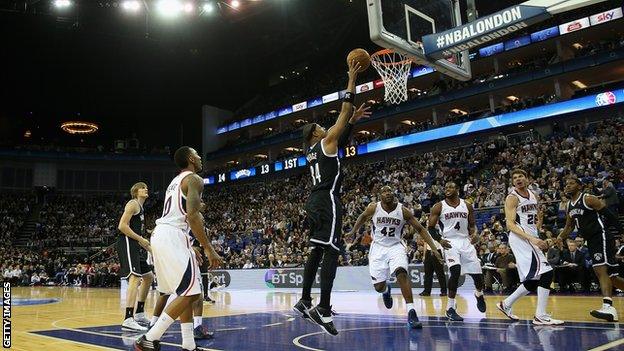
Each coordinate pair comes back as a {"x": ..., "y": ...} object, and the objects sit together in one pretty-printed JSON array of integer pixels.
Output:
[{"x": 79, "y": 127}]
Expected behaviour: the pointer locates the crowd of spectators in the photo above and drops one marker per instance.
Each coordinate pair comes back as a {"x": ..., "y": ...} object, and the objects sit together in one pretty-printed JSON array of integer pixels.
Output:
[{"x": 13, "y": 211}]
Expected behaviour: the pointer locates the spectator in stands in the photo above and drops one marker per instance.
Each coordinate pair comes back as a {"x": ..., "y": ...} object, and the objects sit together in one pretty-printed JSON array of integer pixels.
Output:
[
  {"x": 505, "y": 269},
  {"x": 572, "y": 270},
  {"x": 610, "y": 196}
]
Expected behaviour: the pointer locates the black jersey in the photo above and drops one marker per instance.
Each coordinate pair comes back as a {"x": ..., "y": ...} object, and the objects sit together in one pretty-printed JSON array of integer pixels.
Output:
[
  {"x": 587, "y": 220},
  {"x": 325, "y": 169},
  {"x": 137, "y": 222}
]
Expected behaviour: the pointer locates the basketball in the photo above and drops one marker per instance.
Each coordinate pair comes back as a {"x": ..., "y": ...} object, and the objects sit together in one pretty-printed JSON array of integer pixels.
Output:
[{"x": 361, "y": 56}]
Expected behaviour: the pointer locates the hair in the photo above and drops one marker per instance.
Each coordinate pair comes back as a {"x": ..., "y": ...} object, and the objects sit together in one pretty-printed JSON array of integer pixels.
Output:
[
  {"x": 575, "y": 179},
  {"x": 307, "y": 132},
  {"x": 134, "y": 191},
  {"x": 519, "y": 171},
  {"x": 181, "y": 156}
]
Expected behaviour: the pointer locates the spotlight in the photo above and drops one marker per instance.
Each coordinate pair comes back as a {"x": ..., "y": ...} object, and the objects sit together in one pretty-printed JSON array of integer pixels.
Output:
[
  {"x": 208, "y": 7},
  {"x": 188, "y": 7},
  {"x": 169, "y": 8},
  {"x": 62, "y": 3},
  {"x": 235, "y": 4},
  {"x": 131, "y": 5}
]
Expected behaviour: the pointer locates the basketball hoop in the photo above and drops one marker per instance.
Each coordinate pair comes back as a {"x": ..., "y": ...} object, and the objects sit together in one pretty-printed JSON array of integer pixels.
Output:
[{"x": 394, "y": 69}]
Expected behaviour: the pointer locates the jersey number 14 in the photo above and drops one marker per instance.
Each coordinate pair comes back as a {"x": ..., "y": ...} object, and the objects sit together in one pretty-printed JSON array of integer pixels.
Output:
[{"x": 316, "y": 174}]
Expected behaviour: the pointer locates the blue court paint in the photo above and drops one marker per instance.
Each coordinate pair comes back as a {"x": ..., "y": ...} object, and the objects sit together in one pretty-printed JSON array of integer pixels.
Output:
[
  {"x": 31, "y": 302},
  {"x": 278, "y": 331}
]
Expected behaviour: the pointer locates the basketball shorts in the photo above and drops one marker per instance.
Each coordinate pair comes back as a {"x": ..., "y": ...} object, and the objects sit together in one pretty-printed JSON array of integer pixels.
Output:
[
  {"x": 132, "y": 258},
  {"x": 383, "y": 261},
  {"x": 324, "y": 214},
  {"x": 530, "y": 260},
  {"x": 175, "y": 264},
  {"x": 602, "y": 252},
  {"x": 463, "y": 253}
]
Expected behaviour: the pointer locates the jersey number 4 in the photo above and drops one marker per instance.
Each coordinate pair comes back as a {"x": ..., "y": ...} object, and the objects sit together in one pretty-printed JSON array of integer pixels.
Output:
[
  {"x": 316, "y": 174},
  {"x": 389, "y": 232}
]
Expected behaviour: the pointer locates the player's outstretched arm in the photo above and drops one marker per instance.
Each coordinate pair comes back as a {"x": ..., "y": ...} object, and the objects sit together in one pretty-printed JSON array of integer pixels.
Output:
[
  {"x": 195, "y": 186},
  {"x": 511, "y": 206},
  {"x": 131, "y": 209},
  {"x": 362, "y": 218},
  {"x": 346, "y": 112},
  {"x": 599, "y": 206}
]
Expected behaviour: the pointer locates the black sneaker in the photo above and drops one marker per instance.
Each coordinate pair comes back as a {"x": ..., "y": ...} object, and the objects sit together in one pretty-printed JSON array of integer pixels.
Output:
[
  {"x": 443, "y": 293},
  {"x": 202, "y": 333},
  {"x": 424, "y": 293},
  {"x": 452, "y": 315},
  {"x": 142, "y": 344},
  {"x": 412, "y": 320},
  {"x": 387, "y": 297},
  {"x": 323, "y": 317},
  {"x": 303, "y": 307},
  {"x": 481, "y": 303}
]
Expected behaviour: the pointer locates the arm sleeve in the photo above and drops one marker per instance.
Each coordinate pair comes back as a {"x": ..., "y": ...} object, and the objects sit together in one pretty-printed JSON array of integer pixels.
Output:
[
  {"x": 434, "y": 234},
  {"x": 345, "y": 136}
]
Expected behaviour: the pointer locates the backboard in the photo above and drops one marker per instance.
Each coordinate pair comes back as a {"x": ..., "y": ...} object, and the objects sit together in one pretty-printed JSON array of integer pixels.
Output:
[{"x": 401, "y": 24}]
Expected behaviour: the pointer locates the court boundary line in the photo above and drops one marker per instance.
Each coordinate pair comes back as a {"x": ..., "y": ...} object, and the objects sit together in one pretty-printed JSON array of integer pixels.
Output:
[{"x": 608, "y": 345}]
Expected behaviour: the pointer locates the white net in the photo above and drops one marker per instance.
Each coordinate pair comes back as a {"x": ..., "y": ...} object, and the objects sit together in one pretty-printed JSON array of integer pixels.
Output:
[{"x": 394, "y": 69}]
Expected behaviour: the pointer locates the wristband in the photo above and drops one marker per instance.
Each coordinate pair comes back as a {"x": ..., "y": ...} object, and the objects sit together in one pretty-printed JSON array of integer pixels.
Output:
[{"x": 349, "y": 97}]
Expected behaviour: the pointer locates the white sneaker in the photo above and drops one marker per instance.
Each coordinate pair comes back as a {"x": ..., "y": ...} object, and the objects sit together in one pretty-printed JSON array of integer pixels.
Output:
[
  {"x": 546, "y": 320},
  {"x": 507, "y": 311},
  {"x": 607, "y": 313},
  {"x": 131, "y": 324},
  {"x": 141, "y": 319}
]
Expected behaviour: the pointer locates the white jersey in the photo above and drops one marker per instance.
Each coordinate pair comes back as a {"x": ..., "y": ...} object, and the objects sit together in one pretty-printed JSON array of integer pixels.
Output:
[
  {"x": 454, "y": 220},
  {"x": 174, "y": 209},
  {"x": 526, "y": 212},
  {"x": 388, "y": 227}
]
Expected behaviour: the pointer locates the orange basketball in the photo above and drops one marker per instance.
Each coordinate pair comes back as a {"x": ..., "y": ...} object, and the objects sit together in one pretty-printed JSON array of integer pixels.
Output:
[{"x": 361, "y": 56}]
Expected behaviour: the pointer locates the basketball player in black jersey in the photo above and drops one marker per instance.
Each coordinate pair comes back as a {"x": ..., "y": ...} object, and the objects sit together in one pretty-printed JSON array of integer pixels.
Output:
[
  {"x": 587, "y": 214},
  {"x": 323, "y": 208},
  {"x": 132, "y": 248}
]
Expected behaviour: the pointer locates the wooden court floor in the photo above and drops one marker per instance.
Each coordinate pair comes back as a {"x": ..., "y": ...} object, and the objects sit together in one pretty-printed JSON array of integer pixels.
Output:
[{"x": 71, "y": 317}]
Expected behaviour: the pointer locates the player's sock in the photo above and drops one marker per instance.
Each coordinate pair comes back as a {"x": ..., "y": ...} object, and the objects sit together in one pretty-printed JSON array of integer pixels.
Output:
[
  {"x": 607, "y": 302},
  {"x": 162, "y": 324},
  {"x": 542, "y": 301},
  {"x": 140, "y": 307},
  {"x": 129, "y": 312},
  {"x": 188, "y": 340},
  {"x": 478, "y": 293},
  {"x": 410, "y": 306},
  {"x": 518, "y": 293},
  {"x": 197, "y": 321},
  {"x": 451, "y": 304},
  {"x": 328, "y": 273},
  {"x": 309, "y": 273},
  {"x": 153, "y": 320}
]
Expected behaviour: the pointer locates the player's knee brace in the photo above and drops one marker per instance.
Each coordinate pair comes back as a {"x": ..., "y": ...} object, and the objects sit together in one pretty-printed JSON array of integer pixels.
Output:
[
  {"x": 546, "y": 279},
  {"x": 478, "y": 281},
  {"x": 530, "y": 285},
  {"x": 453, "y": 281}
]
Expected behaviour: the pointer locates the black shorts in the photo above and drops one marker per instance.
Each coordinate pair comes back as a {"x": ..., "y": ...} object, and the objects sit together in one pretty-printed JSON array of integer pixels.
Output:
[
  {"x": 132, "y": 258},
  {"x": 602, "y": 251},
  {"x": 324, "y": 214}
]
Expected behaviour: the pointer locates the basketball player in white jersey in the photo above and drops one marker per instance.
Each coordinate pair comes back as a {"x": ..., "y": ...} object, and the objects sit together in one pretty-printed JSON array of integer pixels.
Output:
[
  {"x": 175, "y": 264},
  {"x": 387, "y": 255},
  {"x": 523, "y": 222},
  {"x": 457, "y": 223}
]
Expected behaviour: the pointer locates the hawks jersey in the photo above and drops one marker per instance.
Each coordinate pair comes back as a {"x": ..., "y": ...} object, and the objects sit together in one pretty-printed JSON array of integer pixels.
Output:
[
  {"x": 174, "y": 209},
  {"x": 526, "y": 212},
  {"x": 388, "y": 226},
  {"x": 586, "y": 219},
  {"x": 454, "y": 220},
  {"x": 325, "y": 169}
]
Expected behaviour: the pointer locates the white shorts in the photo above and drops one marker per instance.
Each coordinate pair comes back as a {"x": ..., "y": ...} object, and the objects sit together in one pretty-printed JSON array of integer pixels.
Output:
[
  {"x": 462, "y": 252},
  {"x": 530, "y": 260},
  {"x": 383, "y": 261},
  {"x": 175, "y": 264}
]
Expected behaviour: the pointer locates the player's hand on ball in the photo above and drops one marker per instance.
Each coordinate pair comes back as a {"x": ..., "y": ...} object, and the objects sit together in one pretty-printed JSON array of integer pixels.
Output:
[
  {"x": 445, "y": 243},
  {"x": 354, "y": 67}
]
